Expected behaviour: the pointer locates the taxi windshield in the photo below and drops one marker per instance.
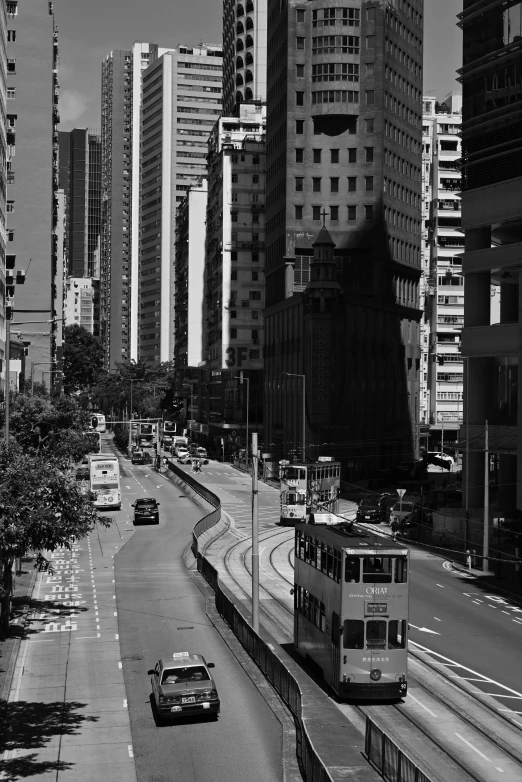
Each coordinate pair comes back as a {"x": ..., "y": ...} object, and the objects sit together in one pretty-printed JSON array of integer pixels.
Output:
[{"x": 194, "y": 673}]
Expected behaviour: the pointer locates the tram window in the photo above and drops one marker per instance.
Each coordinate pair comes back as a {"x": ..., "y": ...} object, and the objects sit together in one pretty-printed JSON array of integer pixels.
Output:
[
  {"x": 377, "y": 570},
  {"x": 330, "y": 562},
  {"x": 301, "y": 547},
  {"x": 297, "y": 597},
  {"x": 324, "y": 559},
  {"x": 291, "y": 499},
  {"x": 353, "y": 634},
  {"x": 401, "y": 570},
  {"x": 337, "y": 566},
  {"x": 397, "y": 634},
  {"x": 319, "y": 555},
  {"x": 313, "y": 553},
  {"x": 352, "y": 570},
  {"x": 322, "y": 618},
  {"x": 376, "y": 634}
]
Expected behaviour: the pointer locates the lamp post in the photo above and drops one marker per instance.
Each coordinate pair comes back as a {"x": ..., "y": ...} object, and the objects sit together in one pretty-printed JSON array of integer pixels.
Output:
[{"x": 303, "y": 377}]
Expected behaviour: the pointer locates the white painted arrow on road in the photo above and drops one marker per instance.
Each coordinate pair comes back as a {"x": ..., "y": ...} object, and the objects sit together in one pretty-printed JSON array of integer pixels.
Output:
[{"x": 424, "y": 629}]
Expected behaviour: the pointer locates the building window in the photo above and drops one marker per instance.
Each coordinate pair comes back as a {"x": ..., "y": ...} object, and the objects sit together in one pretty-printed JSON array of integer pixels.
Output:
[
  {"x": 254, "y": 295},
  {"x": 299, "y": 71},
  {"x": 11, "y": 92},
  {"x": 316, "y": 212},
  {"x": 299, "y": 98},
  {"x": 254, "y": 354},
  {"x": 233, "y": 275},
  {"x": 370, "y": 125},
  {"x": 10, "y": 206},
  {"x": 233, "y": 255},
  {"x": 233, "y": 333},
  {"x": 334, "y": 156},
  {"x": 11, "y": 8},
  {"x": 255, "y": 217},
  {"x": 352, "y": 184},
  {"x": 334, "y": 213},
  {"x": 352, "y": 155},
  {"x": 369, "y": 154},
  {"x": 369, "y": 183},
  {"x": 300, "y": 44},
  {"x": 334, "y": 184},
  {"x": 233, "y": 313},
  {"x": 234, "y": 178},
  {"x": 298, "y": 212},
  {"x": 299, "y": 127},
  {"x": 370, "y": 41},
  {"x": 11, "y": 36},
  {"x": 317, "y": 155},
  {"x": 352, "y": 214},
  {"x": 299, "y": 184},
  {"x": 11, "y": 66},
  {"x": 255, "y": 160},
  {"x": 234, "y": 198},
  {"x": 300, "y": 16},
  {"x": 255, "y": 179},
  {"x": 255, "y": 257},
  {"x": 10, "y": 234},
  {"x": 316, "y": 184},
  {"x": 370, "y": 68},
  {"x": 370, "y": 97},
  {"x": 368, "y": 211},
  {"x": 255, "y": 314},
  {"x": 299, "y": 155},
  {"x": 255, "y": 276},
  {"x": 233, "y": 217},
  {"x": 370, "y": 14}
]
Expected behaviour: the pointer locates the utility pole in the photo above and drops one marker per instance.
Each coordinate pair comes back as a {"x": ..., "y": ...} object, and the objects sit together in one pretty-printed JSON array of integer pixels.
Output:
[
  {"x": 485, "y": 545},
  {"x": 255, "y": 537},
  {"x": 7, "y": 359},
  {"x": 129, "y": 446},
  {"x": 466, "y": 487}
]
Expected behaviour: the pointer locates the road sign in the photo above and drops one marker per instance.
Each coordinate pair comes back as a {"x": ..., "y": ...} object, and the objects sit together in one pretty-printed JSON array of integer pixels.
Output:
[{"x": 401, "y": 492}]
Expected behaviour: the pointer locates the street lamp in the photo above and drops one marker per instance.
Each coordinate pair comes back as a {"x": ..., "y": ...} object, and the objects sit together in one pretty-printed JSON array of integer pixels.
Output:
[
  {"x": 291, "y": 374},
  {"x": 241, "y": 378}
]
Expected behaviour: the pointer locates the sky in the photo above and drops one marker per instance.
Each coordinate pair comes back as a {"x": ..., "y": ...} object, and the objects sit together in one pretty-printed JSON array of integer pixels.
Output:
[{"x": 88, "y": 31}]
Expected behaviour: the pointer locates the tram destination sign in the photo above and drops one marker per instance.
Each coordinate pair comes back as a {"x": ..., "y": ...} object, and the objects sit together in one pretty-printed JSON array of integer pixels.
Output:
[{"x": 376, "y": 608}]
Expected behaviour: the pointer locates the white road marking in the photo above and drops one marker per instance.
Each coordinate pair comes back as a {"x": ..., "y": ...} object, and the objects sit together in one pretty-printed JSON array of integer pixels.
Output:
[
  {"x": 125, "y": 703},
  {"x": 470, "y": 678},
  {"x": 489, "y": 604},
  {"x": 129, "y": 748},
  {"x": 510, "y": 711},
  {"x": 437, "y": 618},
  {"x": 440, "y": 585},
  {"x": 422, "y": 705},
  {"x": 500, "y": 695},
  {"x": 120, "y": 666},
  {"x": 478, "y": 602},
  {"x": 424, "y": 629},
  {"x": 472, "y": 747}
]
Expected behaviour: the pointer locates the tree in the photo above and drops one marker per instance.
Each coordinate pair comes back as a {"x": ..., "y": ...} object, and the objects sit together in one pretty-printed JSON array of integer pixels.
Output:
[
  {"x": 149, "y": 382},
  {"x": 41, "y": 508},
  {"x": 83, "y": 358}
]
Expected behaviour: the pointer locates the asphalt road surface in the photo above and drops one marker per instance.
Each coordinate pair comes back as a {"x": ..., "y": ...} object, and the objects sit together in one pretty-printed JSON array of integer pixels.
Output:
[{"x": 161, "y": 610}]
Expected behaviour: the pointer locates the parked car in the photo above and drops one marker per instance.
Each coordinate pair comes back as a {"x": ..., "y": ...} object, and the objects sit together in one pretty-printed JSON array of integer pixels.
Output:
[
  {"x": 146, "y": 511},
  {"x": 370, "y": 510},
  {"x": 401, "y": 512},
  {"x": 182, "y": 686}
]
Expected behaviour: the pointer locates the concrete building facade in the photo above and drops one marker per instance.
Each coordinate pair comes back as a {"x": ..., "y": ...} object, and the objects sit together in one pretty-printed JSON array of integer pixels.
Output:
[
  {"x": 79, "y": 302},
  {"x": 120, "y": 129},
  {"x": 442, "y": 375},
  {"x": 32, "y": 173},
  {"x": 3, "y": 181},
  {"x": 491, "y": 189},
  {"x": 244, "y": 53},
  {"x": 189, "y": 277},
  {"x": 343, "y": 150},
  {"x": 181, "y": 102}
]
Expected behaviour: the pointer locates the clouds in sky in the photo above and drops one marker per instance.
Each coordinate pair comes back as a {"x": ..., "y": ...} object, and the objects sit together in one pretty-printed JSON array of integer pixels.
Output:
[{"x": 73, "y": 106}]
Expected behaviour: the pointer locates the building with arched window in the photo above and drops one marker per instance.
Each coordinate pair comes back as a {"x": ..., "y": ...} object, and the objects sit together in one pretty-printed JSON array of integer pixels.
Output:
[{"x": 244, "y": 27}]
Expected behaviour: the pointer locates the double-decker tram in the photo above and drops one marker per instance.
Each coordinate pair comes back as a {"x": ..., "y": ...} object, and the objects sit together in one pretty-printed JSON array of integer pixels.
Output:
[
  {"x": 303, "y": 486},
  {"x": 351, "y": 610}
]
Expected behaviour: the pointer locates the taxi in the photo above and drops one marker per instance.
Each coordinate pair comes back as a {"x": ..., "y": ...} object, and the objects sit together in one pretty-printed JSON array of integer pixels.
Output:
[{"x": 182, "y": 686}]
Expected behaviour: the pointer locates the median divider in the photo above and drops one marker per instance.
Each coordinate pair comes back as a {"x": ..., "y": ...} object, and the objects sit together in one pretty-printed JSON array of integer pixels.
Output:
[
  {"x": 328, "y": 747},
  {"x": 388, "y": 759}
]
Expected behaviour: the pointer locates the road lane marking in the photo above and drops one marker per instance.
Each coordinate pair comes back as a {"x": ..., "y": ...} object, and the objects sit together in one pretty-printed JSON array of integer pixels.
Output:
[
  {"x": 472, "y": 747},
  {"x": 440, "y": 585},
  {"x": 120, "y": 666},
  {"x": 478, "y": 602},
  {"x": 500, "y": 695},
  {"x": 421, "y": 704},
  {"x": 437, "y": 618},
  {"x": 129, "y": 748},
  {"x": 470, "y": 678},
  {"x": 125, "y": 703},
  {"x": 510, "y": 711}
]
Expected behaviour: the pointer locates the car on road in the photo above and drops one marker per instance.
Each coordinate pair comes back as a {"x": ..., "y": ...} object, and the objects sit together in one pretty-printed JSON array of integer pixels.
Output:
[
  {"x": 369, "y": 510},
  {"x": 402, "y": 512},
  {"x": 443, "y": 457},
  {"x": 201, "y": 452},
  {"x": 146, "y": 511},
  {"x": 167, "y": 441},
  {"x": 181, "y": 450},
  {"x": 182, "y": 686},
  {"x": 186, "y": 459},
  {"x": 138, "y": 457}
]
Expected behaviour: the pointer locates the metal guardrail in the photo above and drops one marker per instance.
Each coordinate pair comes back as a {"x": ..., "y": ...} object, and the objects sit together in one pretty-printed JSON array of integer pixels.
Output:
[
  {"x": 211, "y": 518},
  {"x": 388, "y": 759}
]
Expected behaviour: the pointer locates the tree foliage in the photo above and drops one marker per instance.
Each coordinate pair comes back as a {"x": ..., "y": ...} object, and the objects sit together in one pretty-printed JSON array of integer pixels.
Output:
[{"x": 82, "y": 358}]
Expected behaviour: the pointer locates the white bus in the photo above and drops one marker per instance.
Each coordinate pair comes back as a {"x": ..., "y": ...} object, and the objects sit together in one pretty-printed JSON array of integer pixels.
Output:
[
  {"x": 100, "y": 422},
  {"x": 104, "y": 481}
]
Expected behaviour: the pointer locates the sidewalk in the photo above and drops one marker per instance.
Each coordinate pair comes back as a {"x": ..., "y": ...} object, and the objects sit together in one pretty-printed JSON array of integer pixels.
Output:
[{"x": 66, "y": 712}]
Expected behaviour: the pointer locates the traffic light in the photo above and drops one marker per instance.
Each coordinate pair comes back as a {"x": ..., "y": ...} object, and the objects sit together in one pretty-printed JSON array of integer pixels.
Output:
[{"x": 94, "y": 422}]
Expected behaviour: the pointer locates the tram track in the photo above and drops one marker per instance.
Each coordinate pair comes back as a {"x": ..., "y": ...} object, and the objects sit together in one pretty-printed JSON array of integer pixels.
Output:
[{"x": 496, "y": 729}]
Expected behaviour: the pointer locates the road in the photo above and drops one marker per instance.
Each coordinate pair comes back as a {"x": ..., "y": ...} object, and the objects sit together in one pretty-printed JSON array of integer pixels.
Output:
[
  {"x": 477, "y": 634},
  {"x": 161, "y": 610}
]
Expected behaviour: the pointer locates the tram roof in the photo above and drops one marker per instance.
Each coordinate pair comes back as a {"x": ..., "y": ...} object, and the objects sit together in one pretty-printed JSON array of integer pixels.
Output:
[
  {"x": 342, "y": 536},
  {"x": 313, "y": 464}
]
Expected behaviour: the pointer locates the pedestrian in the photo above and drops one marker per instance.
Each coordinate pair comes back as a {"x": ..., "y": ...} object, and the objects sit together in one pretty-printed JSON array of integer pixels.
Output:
[
  {"x": 164, "y": 463},
  {"x": 394, "y": 528}
]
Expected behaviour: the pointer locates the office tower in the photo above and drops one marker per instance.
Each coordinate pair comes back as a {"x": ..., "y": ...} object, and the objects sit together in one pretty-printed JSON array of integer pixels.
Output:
[
  {"x": 189, "y": 272},
  {"x": 491, "y": 187},
  {"x": 3, "y": 177},
  {"x": 442, "y": 286},
  {"x": 32, "y": 173},
  {"x": 244, "y": 53},
  {"x": 343, "y": 150},
  {"x": 79, "y": 298},
  {"x": 121, "y": 106},
  {"x": 234, "y": 272},
  {"x": 181, "y": 102}
]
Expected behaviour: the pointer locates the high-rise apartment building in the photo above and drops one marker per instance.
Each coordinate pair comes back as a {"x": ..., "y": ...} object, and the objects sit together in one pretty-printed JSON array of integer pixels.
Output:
[
  {"x": 181, "y": 102},
  {"x": 189, "y": 277},
  {"x": 32, "y": 173},
  {"x": 120, "y": 131},
  {"x": 244, "y": 53},
  {"x": 491, "y": 188},
  {"x": 343, "y": 150},
  {"x": 3, "y": 177},
  {"x": 442, "y": 281}
]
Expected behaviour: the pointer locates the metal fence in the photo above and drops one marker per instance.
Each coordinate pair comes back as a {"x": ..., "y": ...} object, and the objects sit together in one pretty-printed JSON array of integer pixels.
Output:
[
  {"x": 388, "y": 759},
  {"x": 211, "y": 518}
]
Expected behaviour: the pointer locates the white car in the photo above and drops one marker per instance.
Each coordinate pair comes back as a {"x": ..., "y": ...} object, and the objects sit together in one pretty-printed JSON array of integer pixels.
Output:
[
  {"x": 181, "y": 451},
  {"x": 443, "y": 456}
]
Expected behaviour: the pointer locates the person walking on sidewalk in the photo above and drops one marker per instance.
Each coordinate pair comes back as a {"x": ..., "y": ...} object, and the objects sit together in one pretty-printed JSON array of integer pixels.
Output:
[{"x": 394, "y": 528}]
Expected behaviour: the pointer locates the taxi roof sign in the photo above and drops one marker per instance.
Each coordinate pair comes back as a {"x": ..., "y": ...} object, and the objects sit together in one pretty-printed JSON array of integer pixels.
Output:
[{"x": 178, "y": 655}]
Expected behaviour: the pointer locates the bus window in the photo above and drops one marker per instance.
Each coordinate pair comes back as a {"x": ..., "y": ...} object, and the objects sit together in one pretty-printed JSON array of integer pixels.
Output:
[
  {"x": 376, "y": 634},
  {"x": 352, "y": 570},
  {"x": 397, "y": 634},
  {"x": 377, "y": 570},
  {"x": 353, "y": 634},
  {"x": 401, "y": 570}
]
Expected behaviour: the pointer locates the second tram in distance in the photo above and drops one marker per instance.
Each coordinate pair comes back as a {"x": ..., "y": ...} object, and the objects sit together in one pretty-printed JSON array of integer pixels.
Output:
[{"x": 351, "y": 610}]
